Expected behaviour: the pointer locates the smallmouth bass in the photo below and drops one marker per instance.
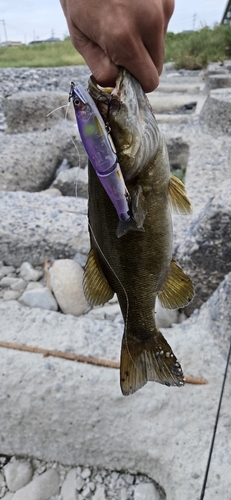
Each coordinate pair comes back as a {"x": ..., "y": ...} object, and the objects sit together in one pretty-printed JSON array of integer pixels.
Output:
[{"x": 137, "y": 267}]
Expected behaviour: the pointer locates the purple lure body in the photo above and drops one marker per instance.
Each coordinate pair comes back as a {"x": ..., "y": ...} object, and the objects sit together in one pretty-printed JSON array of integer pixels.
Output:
[{"x": 101, "y": 155}]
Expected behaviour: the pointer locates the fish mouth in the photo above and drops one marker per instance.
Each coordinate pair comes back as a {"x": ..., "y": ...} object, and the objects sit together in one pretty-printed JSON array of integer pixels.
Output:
[{"x": 130, "y": 120}]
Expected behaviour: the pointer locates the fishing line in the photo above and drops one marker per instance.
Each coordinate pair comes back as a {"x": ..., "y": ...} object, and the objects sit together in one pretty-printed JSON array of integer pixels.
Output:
[
  {"x": 122, "y": 286},
  {"x": 215, "y": 425},
  {"x": 71, "y": 138}
]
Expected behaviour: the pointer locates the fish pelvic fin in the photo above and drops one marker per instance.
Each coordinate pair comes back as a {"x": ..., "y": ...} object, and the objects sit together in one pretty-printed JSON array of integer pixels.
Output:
[
  {"x": 177, "y": 195},
  {"x": 177, "y": 290},
  {"x": 125, "y": 226},
  {"x": 149, "y": 360},
  {"x": 95, "y": 285}
]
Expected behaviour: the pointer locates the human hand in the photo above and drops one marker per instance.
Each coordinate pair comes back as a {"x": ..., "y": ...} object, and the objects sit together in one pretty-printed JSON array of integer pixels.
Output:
[{"x": 126, "y": 33}]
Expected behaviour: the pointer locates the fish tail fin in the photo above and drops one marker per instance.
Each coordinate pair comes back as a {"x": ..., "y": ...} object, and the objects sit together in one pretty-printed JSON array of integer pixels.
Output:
[
  {"x": 125, "y": 226},
  {"x": 148, "y": 360}
]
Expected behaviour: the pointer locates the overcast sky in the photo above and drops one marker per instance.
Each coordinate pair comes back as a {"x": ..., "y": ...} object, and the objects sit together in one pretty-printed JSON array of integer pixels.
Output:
[{"x": 26, "y": 20}]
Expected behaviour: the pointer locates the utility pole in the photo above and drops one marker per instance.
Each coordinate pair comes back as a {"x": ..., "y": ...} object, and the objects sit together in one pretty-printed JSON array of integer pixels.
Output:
[
  {"x": 194, "y": 21},
  {"x": 2, "y": 21}
]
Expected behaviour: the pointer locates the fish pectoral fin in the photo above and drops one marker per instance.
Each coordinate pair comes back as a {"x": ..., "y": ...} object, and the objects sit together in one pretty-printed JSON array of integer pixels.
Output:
[
  {"x": 95, "y": 286},
  {"x": 138, "y": 205},
  {"x": 178, "y": 289},
  {"x": 149, "y": 360},
  {"x": 177, "y": 195}
]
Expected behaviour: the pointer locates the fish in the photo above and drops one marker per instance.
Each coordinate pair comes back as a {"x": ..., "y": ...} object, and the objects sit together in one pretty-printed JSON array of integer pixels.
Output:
[
  {"x": 99, "y": 148},
  {"x": 139, "y": 266}
]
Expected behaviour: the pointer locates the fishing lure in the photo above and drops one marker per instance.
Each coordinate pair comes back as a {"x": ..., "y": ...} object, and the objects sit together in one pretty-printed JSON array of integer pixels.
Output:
[{"x": 99, "y": 148}]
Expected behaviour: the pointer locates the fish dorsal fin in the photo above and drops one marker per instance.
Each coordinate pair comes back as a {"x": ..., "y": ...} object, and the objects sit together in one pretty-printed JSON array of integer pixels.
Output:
[
  {"x": 178, "y": 289},
  {"x": 95, "y": 286},
  {"x": 178, "y": 198}
]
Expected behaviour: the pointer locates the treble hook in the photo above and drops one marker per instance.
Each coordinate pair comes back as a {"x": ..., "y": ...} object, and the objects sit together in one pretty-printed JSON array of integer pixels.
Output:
[{"x": 109, "y": 100}]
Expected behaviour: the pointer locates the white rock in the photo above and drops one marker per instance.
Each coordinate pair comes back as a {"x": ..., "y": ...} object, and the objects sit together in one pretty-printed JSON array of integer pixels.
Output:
[
  {"x": 165, "y": 317},
  {"x": 28, "y": 273},
  {"x": 79, "y": 483},
  {"x": 41, "y": 487},
  {"x": 53, "y": 191},
  {"x": 91, "y": 486},
  {"x": 8, "y": 495},
  {"x": 123, "y": 494},
  {"x": 146, "y": 491},
  {"x": 99, "y": 494},
  {"x": 11, "y": 295},
  {"x": 17, "y": 284},
  {"x": 86, "y": 473},
  {"x": 66, "y": 282},
  {"x": 39, "y": 297},
  {"x": 34, "y": 284},
  {"x": 68, "y": 491},
  {"x": 18, "y": 473},
  {"x": 86, "y": 492},
  {"x": 7, "y": 281},
  {"x": 2, "y": 480},
  {"x": 5, "y": 270}
]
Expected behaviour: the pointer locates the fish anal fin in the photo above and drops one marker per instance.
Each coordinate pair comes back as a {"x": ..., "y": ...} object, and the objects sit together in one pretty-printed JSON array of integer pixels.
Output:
[
  {"x": 177, "y": 196},
  {"x": 149, "y": 360},
  {"x": 177, "y": 290},
  {"x": 95, "y": 286}
]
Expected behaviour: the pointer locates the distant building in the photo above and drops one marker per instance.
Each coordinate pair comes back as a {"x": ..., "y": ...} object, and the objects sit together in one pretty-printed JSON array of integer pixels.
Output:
[
  {"x": 10, "y": 44},
  {"x": 226, "y": 19},
  {"x": 52, "y": 39}
]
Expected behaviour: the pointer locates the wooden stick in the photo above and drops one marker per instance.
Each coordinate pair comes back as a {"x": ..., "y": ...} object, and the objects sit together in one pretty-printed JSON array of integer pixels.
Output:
[{"x": 82, "y": 359}]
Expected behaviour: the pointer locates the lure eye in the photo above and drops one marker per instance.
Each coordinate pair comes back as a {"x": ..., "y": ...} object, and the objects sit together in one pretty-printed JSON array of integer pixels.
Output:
[{"x": 76, "y": 101}]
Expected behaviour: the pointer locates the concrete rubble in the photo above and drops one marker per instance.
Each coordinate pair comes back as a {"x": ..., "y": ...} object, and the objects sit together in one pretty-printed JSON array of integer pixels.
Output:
[{"x": 66, "y": 432}]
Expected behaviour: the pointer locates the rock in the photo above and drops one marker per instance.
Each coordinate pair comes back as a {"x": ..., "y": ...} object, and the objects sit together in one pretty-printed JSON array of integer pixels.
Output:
[
  {"x": 216, "y": 112},
  {"x": 164, "y": 103},
  {"x": 205, "y": 254},
  {"x": 68, "y": 490},
  {"x": 99, "y": 494},
  {"x": 28, "y": 273},
  {"x": 33, "y": 228},
  {"x": 16, "y": 284},
  {"x": 18, "y": 473},
  {"x": 34, "y": 284},
  {"x": 39, "y": 297},
  {"x": 66, "y": 282},
  {"x": 86, "y": 473},
  {"x": 28, "y": 162},
  {"x": 72, "y": 182},
  {"x": 11, "y": 295},
  {"x": 165, "y": 317},
  {"x": 8, "y": 496},
  {"x": 5, "y": 270},
  {"x": 2, "y": 480},
  {"x": 41, "y": 487},
  {"x": 146, "y": 491},
  {"x": 218, "y": 82},
  {"x": 216, "y": 68},
  {"x": 52, "y": 191},
  {"x": 79, "y": 483},
  {"x": 27, "y": 111}
]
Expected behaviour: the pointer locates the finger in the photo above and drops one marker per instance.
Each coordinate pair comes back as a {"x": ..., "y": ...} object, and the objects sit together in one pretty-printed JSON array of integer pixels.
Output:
[
  {"x": 132, "y": 55},
  {"x": 102, "y": 68}
]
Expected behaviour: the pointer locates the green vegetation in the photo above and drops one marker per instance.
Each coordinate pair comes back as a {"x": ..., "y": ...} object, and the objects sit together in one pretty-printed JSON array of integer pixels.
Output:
[
  {"x": 189, "y": 50},
  {"x": 40, "y": 55},
  {"x": 195, "y": 49}
]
